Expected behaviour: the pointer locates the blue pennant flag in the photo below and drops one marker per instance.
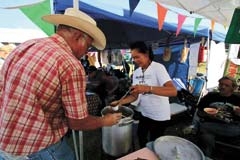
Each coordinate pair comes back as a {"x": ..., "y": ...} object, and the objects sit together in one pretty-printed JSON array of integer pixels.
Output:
[{"x": 133, "y": 4}]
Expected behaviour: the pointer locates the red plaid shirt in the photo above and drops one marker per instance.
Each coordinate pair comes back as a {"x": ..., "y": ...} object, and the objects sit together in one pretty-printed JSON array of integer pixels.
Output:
[{"x": 42, "y": 84}]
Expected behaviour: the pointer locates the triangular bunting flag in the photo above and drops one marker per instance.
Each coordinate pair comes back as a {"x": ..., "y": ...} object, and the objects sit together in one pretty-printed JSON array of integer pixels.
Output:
[
  {"x": 161, "y": 15},
  {"x": 225, "y": 27},
  {"x": 233, "y": 34},
  {"x": 212, "y": 25},
  {"x": 132, "y": 5},
  {"x": 35, "y": 12},
  {"x": 181, "y": 19},
  {"x": 196, "y": 24}
]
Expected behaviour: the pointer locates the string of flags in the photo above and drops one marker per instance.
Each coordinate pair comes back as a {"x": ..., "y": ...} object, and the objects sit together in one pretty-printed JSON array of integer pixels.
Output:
[
  {"x": 161, "y": 14},
  {"x": 30, "y": 11}
]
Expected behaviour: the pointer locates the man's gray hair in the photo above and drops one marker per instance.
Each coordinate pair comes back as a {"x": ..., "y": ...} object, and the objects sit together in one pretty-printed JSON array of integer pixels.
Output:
[{"x": 234, "y": 82}]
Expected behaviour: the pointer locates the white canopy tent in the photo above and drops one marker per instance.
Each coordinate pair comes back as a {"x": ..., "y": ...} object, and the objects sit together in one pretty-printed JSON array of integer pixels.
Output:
[{"x": 220, "y": 11}]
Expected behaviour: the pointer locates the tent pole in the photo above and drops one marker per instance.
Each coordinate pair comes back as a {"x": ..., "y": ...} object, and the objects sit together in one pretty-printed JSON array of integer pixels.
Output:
[
  {"x": 99, "y": 58},
  {"x": 207, "y": 58},
  {"x": 209, "y": 38},
  {"x": 75, "y": 4}
]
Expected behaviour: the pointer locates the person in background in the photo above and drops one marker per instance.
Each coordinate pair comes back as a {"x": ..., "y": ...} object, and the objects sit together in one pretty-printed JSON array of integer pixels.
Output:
[
  {"x": 42, "y": 90},
  {"x": 126, "y": 67},
  {"x": 152, "y": 86},
  {"x": 85, "y": 62},
  {"x": 102, "y": 84},
  {"x": 212, "y": 125},
  {"x": 91, "y": 72}
]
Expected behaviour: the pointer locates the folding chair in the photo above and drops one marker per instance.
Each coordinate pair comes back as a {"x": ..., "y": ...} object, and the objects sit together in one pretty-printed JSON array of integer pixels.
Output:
[
  {"x": 192, "y": 97},
  {"x": 78, "y": 153}
]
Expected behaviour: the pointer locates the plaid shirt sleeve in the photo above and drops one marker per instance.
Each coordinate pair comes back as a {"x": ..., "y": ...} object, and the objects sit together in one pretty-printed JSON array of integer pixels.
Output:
[
  {"x": 1, "y": 85},
  {"x": 73, "y": 94}
]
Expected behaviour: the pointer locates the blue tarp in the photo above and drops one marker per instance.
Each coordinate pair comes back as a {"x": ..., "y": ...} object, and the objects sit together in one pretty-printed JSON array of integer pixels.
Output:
[
  {"x": 175, "y": 68},
  {"x": 120, "y": 28}
]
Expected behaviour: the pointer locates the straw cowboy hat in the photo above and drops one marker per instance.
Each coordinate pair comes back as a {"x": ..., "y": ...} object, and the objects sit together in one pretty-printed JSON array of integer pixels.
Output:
[{"x": 79, "y": 20}]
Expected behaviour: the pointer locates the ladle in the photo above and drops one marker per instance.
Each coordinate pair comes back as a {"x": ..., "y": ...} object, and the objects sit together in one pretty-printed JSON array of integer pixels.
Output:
[{"x": 115, "y": 108}]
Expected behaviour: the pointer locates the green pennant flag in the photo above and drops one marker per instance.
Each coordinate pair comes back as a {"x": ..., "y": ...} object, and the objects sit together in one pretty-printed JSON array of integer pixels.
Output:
[
  {"x": 35, "y": 12},
  {"x": 196, "y": 24},
  {"x": 233, "y": 34}
]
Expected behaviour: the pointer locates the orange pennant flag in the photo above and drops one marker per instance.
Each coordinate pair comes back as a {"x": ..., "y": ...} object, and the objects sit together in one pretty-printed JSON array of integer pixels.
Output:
[
  {"x": 161, "y": 15},
  {"x": 212, "y": 25},
  {"x": 225, "y": 27},
  {"x": 181, "y": 19}
]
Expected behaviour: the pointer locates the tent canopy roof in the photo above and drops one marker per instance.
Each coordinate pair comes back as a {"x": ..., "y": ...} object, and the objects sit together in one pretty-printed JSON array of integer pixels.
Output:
[
  {"x": 120, "y": 28},
  {"x": 220, "y": 11}
]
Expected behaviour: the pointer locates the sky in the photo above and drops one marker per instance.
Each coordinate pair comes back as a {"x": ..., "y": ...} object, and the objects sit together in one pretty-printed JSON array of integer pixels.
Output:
[
  {"x": 15, "y": 26},
  {"x": 14, "y": 18}
]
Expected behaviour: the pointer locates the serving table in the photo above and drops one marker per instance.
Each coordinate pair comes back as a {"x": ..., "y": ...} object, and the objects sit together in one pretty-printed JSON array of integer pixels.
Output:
[{"x": 143, "y": 153}]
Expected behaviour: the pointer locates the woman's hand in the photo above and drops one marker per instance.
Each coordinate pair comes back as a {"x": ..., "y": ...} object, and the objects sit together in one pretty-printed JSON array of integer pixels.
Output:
[
  {"x": 114, "y": 103},
  {"x": 140, "y": 89}
]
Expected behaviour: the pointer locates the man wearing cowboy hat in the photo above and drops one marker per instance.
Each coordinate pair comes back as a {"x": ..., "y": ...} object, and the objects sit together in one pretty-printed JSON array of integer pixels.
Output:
[{"x": 42, "y": 90}]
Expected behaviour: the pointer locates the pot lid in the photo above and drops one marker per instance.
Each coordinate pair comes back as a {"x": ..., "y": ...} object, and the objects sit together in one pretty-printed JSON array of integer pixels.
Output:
[{"x": 172, "y": 147}]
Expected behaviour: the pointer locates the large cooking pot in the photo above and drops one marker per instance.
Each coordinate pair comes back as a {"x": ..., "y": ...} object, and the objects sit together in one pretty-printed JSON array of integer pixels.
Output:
[
  {"x": 173, "y": 147},
  {"x": 117, "y": 139}
]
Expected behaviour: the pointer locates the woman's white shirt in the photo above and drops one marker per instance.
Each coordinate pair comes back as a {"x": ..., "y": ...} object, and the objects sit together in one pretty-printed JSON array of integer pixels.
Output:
[{"x": 151, "y": 105}]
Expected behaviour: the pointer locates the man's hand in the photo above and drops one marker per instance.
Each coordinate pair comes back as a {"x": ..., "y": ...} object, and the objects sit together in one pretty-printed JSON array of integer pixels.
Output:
[
  {"x": 236, "y": 110},
  {"x": 111, "y": 119}
]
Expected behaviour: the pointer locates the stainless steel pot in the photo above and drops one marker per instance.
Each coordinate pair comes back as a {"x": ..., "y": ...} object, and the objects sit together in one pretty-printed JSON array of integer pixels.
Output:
[
  {"x": 173, "y": 147},
  {"x": 117, "y": 139}
]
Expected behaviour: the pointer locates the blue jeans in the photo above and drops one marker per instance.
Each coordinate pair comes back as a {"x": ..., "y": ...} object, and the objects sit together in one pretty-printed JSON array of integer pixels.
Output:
[{"x": 58, "y": 151}]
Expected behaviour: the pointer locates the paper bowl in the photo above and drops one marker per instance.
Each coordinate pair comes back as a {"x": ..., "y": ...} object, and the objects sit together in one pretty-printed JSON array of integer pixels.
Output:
[{"x": 211, "y": 111}]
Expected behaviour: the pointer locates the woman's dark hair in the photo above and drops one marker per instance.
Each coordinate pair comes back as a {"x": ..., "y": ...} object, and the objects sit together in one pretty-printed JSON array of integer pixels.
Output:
[
  {"x": 142, "y": 47},
  {"x": 91, "y": 69}
]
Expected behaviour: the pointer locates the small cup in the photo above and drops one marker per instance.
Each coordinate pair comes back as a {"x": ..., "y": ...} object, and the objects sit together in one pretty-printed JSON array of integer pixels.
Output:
[{"x": 115, "y": 108}]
